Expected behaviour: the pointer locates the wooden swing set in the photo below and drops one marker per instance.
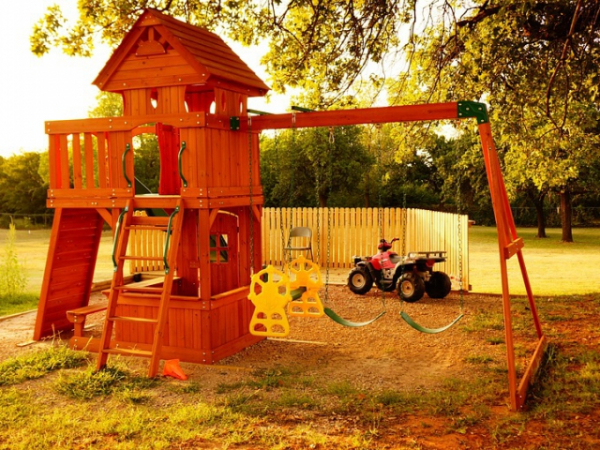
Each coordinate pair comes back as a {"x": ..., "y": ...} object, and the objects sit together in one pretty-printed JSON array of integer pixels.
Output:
[{"x": 186, "y": 86}]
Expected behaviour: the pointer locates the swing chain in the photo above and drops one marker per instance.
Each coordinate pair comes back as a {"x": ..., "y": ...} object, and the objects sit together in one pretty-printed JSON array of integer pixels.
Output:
[
  {"x": 331, "y": 148},
  {"x": 460, "y": 239},
  {"x": 318, "y": 199},
  {"x": 380, "y": 202},
  {"x": 292, "y": 186},
  {"x": 251, "y": 212}
]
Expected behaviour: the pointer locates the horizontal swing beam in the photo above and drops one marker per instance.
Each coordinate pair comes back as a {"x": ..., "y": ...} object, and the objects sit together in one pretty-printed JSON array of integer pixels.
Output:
[{"x": 360, "y": 116}]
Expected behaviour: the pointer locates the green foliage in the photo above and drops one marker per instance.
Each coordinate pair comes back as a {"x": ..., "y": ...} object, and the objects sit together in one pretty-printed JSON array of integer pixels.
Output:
[
  {"x": 89, "y": 383},
  {"x": 108, "y": 104},
  {"x": 22, "y": 188},
  {"x": 318, "y": 47},
  {"x": 146, "y": 161},
  {"x": 37, "y": 364},
  {"x": 12, "y": 277},
  {"x": 18, "y": 303},
  {"x": 533, "y": 62},
  {"x": 303, "y": 168}
]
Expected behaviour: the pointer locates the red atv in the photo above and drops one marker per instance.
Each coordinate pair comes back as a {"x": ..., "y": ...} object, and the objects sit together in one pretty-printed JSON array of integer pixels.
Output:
[{"x": 410, "y": 275}]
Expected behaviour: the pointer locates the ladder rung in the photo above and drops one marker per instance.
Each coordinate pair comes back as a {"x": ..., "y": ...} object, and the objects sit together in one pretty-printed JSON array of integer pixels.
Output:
[
  {"x": 127, "y": 351},
  {"x": 139, "y": 289},
  {"x": 145, "y": 220},
  {"x": 132, "y": 319}
]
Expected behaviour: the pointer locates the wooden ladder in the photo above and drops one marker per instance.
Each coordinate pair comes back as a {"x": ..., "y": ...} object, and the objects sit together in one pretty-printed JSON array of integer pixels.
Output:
[{"x": 172, "y": 225}]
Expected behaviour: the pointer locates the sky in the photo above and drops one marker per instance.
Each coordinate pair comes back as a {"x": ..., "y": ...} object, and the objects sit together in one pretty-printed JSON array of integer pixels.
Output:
[{"x": 56, "y": 86}]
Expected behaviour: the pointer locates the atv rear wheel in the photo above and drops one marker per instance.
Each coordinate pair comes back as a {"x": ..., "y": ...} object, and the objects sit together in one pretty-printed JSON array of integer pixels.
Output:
[
  {"x": 439, "y": 285},
  {"x": 410, "y": 287},
  {"x": 360, "y": 281}
]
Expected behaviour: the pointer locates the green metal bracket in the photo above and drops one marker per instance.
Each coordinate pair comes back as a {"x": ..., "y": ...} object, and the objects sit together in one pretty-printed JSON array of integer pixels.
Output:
[
  {"x": 473, "y": 109},
  {"x": 119, "y": 222},
  {"x": 260, "y": 113},
  {"x": 167, "y": 268},
  {"x": 301, "y": 109},
  {"x": 181, "y": 165},
  {"x": 234, "y": 123},
  {"x": 124, "y": 161}
]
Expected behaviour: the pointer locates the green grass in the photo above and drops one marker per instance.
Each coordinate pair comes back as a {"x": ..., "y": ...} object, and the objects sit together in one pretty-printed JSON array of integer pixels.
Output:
[
  {"x": 553, "y": 267},
  {"x": 37, "y": 364},
  {"x": 18, "y": 303}
]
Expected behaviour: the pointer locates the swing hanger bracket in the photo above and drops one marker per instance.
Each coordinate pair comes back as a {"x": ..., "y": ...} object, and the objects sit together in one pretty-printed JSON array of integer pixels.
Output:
[
  {"x": 234, "y": 123},
  {"x": 473, "y": 109}
]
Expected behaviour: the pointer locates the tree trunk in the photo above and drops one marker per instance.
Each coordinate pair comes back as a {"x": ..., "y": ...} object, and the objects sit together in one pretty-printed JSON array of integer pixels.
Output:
[
  {"x": 538, "y": 202},
  {"x": 537, "y": 197},
  {"x": 323, "y": 201},
  {"x": 566, "y": 216},
  {"x": 541, "y": 221}
]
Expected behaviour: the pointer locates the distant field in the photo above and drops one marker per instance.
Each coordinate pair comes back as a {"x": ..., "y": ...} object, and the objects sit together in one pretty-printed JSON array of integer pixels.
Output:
[{"x": 554, "y": 268}]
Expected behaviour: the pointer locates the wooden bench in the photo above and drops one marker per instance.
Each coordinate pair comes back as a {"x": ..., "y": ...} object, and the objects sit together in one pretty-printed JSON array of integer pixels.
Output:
[{"x": 78, "y": 316}]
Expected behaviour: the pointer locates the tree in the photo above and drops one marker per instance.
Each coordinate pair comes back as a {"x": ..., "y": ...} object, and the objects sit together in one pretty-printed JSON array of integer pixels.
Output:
[
  {"x": 23, "y": 189},
  {"x": 314, "y": 45},
  {"x": 536, "y": 63},
  {"x": 310, "y": 167},
  {"x": 108, "y": 105}
]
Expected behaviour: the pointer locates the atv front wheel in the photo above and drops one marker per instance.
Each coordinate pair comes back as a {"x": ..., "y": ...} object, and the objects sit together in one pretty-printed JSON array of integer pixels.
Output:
[
  {"x": 439, "y": 285},
  {"x": 360, "y": 281},
  {"x": 410, "y": 287}
]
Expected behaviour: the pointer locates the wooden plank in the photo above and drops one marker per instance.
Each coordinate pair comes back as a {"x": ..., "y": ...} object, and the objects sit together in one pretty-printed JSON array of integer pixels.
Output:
[
  {"x": 115, "y": 124},
  {"x": 196, "y": 329},
  {"x": 139, "y": 76},
  {"x": 41, "y": 324},
  {"x": 77, "y": 166},
  {"x": 88, "y": 150},
  {"x": 386, "y": 114},
  {"x": 133, "y": 63},
  {"x": 54, "y": 171},
  {"x": 157, "y": 81},
  {"x": 65, "y": 181},
  {"x": 102, "y": 158}
]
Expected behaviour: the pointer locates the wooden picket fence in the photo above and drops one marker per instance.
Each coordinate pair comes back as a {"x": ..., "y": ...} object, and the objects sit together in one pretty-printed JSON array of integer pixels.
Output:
[
  {"x": 340, "y": 233},
  {"x": 344, "y": 232}
]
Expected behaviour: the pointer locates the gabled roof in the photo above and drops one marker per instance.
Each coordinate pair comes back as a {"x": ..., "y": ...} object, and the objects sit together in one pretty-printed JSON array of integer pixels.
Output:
[{"x": 209, "y": 58}]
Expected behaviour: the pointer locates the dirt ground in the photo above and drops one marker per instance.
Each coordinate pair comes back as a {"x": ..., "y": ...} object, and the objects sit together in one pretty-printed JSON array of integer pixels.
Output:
[{"x": 386, "y": 354}]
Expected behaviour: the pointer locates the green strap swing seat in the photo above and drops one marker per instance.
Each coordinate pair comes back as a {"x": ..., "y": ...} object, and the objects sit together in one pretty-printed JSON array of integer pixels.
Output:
[
  {"x": 426, "y": 330},
  {"x": 347, "y": 323}
]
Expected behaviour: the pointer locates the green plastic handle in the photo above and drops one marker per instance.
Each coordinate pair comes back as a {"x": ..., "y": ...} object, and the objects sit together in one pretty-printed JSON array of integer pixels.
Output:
[
  {"x": 167, "y": 268},
  {"x": 124, "y": 161},
  {"x": 185, "y": 183},
  {"x": 119, "y": 222}
]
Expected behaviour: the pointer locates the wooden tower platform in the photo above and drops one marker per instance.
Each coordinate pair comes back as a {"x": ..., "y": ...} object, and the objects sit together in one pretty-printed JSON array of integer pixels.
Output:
[{"x": 183, "y": 84}]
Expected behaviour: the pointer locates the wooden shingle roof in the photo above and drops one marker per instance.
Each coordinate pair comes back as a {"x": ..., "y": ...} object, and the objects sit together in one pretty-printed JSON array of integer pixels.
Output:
[{"x": 203, "y": 58}]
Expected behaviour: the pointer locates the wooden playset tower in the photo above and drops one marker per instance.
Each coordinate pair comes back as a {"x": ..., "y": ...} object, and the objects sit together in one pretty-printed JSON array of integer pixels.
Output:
[{"x": 184, "y": 84}]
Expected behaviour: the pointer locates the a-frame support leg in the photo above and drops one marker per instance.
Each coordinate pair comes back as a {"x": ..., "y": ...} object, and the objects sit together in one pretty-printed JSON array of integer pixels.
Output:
[{"x": 509, "y": 245}]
